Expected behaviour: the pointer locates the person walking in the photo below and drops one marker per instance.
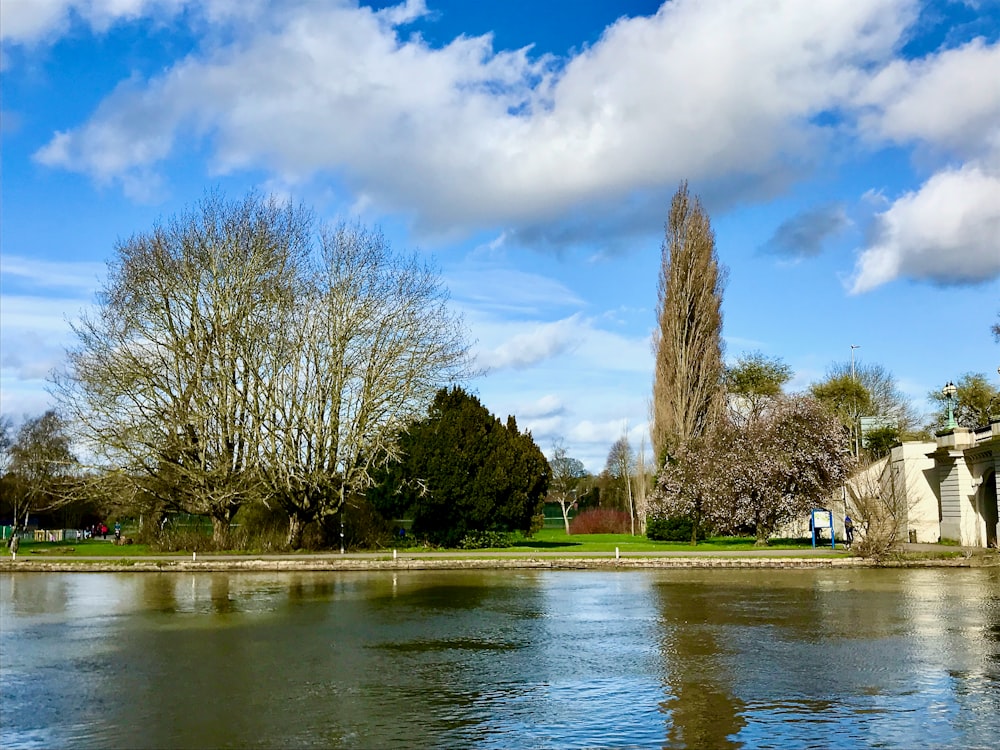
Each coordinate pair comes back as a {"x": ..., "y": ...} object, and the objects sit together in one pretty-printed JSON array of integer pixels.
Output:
[{"x": 849, "y": 530}]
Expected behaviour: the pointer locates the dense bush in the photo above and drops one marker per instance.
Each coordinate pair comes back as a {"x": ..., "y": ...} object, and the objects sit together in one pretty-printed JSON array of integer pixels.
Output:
[
  {"x": 489, "y": 540},
  {"x": 601, "y": 521},
  {"x": 673, "y": 529}
]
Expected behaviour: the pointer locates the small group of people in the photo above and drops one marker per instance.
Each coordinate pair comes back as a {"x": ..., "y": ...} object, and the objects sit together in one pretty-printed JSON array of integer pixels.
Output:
[{"x": 93, "y": 530}]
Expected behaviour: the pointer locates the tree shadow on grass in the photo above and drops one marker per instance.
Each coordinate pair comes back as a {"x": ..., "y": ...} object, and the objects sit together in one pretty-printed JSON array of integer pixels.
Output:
[{"x": 546, "y": 545}]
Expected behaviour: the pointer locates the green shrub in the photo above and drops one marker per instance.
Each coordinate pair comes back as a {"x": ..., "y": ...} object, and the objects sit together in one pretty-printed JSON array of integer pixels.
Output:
[
  {"x": 673, "y": 529},
  {"x": 488, "y": 540}
]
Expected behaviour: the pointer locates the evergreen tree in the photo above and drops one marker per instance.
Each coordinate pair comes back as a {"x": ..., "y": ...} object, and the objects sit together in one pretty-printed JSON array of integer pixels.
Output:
[{"x": 463, "y": 470}]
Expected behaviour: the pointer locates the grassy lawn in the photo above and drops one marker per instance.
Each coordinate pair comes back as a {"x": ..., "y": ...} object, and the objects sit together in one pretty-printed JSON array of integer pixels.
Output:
[
  {"x": 557, "y": 540},
  {"x": 90, "y": 547},
  {"x": 546, "y": 540}
]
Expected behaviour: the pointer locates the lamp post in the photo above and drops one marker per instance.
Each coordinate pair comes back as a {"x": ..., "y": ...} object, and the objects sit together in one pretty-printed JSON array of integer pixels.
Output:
[
  {"x": 857, "y": 417},
  {"x": 949, "y": 392}
]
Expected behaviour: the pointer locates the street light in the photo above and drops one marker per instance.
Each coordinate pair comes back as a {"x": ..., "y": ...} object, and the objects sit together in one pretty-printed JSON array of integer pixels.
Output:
[
  {"x": 857, "y": 426},
  {"x": 949, "y": 392}
]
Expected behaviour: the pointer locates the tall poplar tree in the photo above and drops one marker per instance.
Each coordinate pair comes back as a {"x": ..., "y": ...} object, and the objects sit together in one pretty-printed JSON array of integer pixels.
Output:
[{"x": 687, "y": 342}]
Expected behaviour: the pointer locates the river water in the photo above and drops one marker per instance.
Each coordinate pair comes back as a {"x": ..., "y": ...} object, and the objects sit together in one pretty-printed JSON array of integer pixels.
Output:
[{"x": 502, "y": 659}]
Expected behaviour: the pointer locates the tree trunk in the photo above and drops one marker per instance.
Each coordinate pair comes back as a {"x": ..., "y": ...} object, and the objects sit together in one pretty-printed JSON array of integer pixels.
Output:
[
  {"x": 695, "y": 519},
  {"x": 220, "y": 531},
  {"x": 295, "y": 529},
  {"x": 761, "y": 535},
  {"x": 631, "y": 507},
  {"x": 565, "y": 512}
]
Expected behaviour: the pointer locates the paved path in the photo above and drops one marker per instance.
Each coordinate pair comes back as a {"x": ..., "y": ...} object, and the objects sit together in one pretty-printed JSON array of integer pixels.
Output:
[{"x": 407, "y": 559}]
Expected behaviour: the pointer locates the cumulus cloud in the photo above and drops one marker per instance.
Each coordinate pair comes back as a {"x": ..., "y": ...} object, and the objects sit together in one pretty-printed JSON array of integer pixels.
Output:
[
  {"x": 725, "y": 93},
  {"x": 949, "y": 101},
  {"x": 946, "y": 232},
  {"x": 804, "y": 235}
]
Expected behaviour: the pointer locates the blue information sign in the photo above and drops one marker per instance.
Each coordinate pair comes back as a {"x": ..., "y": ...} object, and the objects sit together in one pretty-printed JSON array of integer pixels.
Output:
[{"x": 822, "y": 519}]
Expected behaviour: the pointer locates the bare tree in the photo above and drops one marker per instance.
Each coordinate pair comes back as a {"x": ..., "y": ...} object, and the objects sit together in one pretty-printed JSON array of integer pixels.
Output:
[
  {"x": 235, "y": 356},
  {"x": 167, "y": 377},
  {"x": 879, "y": 507},
  {"x": 42, "y": 466},
  {"x": 687, "y": 342},
  {"x": 620, "y": 467},
  {"x": 565, "y": 480},
  {"x": 6, "y": 442},
  {"x": 371, "y": 342},
  {"x": 866, "y": 390},
  {"x": 641, "y": 487}
]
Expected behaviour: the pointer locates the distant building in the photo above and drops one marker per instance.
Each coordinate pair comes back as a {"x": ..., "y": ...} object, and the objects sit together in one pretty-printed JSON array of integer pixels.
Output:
[
  {"x": 946, "y": 489},
  {"x": 948, "y": 486},
  {"x": 966, "y": 463}
]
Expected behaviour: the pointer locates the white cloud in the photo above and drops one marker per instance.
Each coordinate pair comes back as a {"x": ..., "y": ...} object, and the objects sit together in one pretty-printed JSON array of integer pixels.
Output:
[
  {"x": 35, "y": 333},
  {"x": 465, "y": 136},
  {"x": 539, "y": 342},
  {"x": 31, "y": 21},
  {"x": 39, "y": 315},
  {"x": 948, "y": 231},
  {"x": 53, "y": 274},
  {"x": 22, "y": 398},
  {"x": 508, "y": 290},
  {"x": 33, "y": 337},
  {"x": 547, "y": 407},
  {"x": 948, "y": 101},
  {"x": 26, "y": 20}
]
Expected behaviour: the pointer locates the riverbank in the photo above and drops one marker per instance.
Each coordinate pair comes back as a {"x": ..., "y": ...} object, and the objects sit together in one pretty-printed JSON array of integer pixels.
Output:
[{"x": 811, "y": 558}]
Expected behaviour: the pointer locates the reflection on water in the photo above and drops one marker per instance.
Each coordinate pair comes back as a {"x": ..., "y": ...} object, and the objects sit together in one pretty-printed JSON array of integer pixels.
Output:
[
  {"x": 700, "y": 702},
  {"x": 497, "y": 659}
]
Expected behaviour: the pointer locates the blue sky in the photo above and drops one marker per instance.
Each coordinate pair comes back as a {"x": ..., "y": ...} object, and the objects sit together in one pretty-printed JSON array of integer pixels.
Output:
[{"x": 848, "y": 153}]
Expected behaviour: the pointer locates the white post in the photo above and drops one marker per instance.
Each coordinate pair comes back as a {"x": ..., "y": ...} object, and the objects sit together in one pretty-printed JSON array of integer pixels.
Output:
[
  {"x": 194, "y": 556},
  {"x": 394, "y": 554},
  {"x": 617, "y": 554}
]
